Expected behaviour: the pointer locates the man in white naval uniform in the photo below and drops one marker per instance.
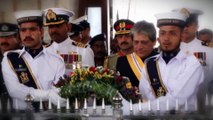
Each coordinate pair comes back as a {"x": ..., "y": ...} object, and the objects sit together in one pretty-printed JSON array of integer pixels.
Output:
[
  {"x": 171, "y": 77},
  {"x": 32, "y": 70},
  {"x": 57, "y": 21},
  {"x": 192, "y": 46}
]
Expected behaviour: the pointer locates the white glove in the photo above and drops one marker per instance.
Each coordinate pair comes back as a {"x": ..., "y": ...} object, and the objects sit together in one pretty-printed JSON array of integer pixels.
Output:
[
  {"x": 53, "y": 95},
  {"x": 38, "y": 94},
  {"x": 44, "y": 95},
  {"x": 57, "y": 90}
]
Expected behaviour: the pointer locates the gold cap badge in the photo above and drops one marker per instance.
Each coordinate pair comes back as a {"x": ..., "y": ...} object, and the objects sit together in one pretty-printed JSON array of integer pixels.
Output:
[
  {"x": 51, "y": 15},
  {"x": 185, "y": 12},
  {"x": 122, "y": 25}
]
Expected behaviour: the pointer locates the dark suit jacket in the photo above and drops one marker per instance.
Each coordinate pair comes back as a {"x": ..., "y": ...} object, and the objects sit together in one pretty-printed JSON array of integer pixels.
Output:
[
  {"x": 125, "y": 70},
  {"x": 3, "y": 89}
]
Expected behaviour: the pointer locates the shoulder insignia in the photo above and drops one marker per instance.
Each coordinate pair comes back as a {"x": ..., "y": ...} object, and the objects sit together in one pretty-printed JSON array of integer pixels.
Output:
[
  {"x": 204, "y": 43},
  {"x": 207, "y": 44},
  {"x": 79, "y": 44}
]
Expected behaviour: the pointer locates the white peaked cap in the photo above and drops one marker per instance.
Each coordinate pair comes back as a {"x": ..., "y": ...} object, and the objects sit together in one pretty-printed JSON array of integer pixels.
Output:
[
  {"x": 190, "y": 10},
  {"x": 171, "y": 18},
  {"x": 54, "y": 16},
  {"x": 28, "y": 15},
  {"x": 60, "y": 11},
  {"x": 78, "y": 20},
  {"x": 171, "y": 15}
]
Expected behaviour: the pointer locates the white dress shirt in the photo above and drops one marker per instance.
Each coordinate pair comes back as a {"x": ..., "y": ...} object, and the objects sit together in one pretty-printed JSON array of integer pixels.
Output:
[
  {"x": 66, "y": 47},
  {"x": 181, "y": 76},
  {"x": 47, "y": 68}
]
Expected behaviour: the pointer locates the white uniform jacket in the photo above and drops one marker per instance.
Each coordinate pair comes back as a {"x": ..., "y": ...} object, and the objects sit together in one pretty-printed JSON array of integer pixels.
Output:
[
  {"x": 47, "y": 68},
  {"x": 196, "y": 46},
  {"x": 67, "y": 46},
  {"x": 181, "y": 77}
]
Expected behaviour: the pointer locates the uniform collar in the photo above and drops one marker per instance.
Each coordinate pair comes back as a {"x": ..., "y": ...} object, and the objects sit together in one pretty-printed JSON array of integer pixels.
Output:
[
  {"x": 34, "y": 52},
  {"x": 23, "y": 51},
  {"x": 179, "y": 57},
  {"x": 153, "y": 53},
  {"x": 194, "y": 41},
  {"x": 64, "y": 43}
]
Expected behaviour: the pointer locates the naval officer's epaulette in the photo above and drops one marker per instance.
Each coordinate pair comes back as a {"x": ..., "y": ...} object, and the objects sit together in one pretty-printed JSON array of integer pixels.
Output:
[
  {"x": 207, "y": 44},
  {"x": 79, "y": 44}
]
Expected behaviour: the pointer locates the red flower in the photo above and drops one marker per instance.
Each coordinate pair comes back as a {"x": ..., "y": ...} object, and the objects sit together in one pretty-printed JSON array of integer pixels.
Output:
[
  {"x": 119, "y": 79},
  {"x": 106, "y": 71},
  {"x": 93, "y": 69},
  {"x": 136, "y": 90},
  {"x": 71, "y": 73}
]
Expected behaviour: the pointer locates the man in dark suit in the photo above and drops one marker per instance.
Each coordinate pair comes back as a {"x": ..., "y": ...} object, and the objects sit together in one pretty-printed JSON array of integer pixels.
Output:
[{"x": 144, "y": 39}]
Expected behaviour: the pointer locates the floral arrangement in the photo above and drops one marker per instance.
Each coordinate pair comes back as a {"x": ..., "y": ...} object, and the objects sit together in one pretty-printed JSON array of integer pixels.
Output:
[{"x": 84, "y": 82}]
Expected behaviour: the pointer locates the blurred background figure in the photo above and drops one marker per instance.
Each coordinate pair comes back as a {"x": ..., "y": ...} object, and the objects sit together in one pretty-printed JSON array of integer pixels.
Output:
[
  {"x": 189, "y": 34},
  {"x": 75, "y": 33},
  {"x": 86, "y": 32},
  {"x": 98, "y": 45},
  {"x": 9, "y": 40},
  {"x": 114, "y": 48},
  {"x": 191, "y": 45},
  {"x": 206, "y": 36}
]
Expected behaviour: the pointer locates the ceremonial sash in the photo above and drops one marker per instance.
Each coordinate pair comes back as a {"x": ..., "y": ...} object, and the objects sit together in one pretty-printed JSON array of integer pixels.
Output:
[
  {"x": 20, "y": 66},
  {"x": 154, "y": 78},
  {"x": 22, "y": 70},
  {"x": 136, "y": 64}
]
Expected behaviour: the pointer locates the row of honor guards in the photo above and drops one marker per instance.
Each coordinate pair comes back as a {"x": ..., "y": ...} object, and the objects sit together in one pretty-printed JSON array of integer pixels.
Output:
[{"x": 174, "y": 74}]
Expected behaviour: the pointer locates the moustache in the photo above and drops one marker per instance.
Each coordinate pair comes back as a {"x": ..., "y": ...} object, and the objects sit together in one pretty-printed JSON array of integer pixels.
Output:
[
  {"x": 28, "y": 38},
  {"x": 4, "y": 44},
  {"x": 124, "y": 43}
]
